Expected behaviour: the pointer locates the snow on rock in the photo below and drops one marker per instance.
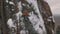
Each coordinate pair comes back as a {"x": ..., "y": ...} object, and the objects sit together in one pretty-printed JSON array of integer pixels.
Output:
[
  {"x": 10, "y": 23},
  {"x": 19, "y": 14},
  {"x": 36, "y": 22},
  {"x": 20, "y": 6},
  {"x": 22, "y": 32},
  {"x": 12, "y": 9},
  {"x": 53, "y": 31},
  {"x": 11, "y": 3},
  {"x": 33, "y": 18},
  {"x": 52, "y": 18}
]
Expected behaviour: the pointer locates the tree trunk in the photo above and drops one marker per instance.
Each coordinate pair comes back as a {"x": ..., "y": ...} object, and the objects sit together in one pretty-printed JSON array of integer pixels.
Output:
[{"x": 3, "y": 21}]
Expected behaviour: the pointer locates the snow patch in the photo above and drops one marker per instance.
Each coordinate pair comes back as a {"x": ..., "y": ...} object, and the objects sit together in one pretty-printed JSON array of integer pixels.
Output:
[
  {"x": 22, "y": 32},
  {"x": 11, "y": 3},
  {"x": 52, "y": 18},
  {"x": 36, "y": 22},
  {"x": 20, "y": 6},
  {"x": 10, "y": 23},
  {"x": 33, "y": 18},
  {"x": 19, "y": 14},
  {"x": 12, "y": 9}
]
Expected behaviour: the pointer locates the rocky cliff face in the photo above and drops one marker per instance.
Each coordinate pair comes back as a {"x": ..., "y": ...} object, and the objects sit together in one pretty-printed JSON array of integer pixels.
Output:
[
  {"x": 28, "y": 17},
  {"x": 47, "y": 16}
]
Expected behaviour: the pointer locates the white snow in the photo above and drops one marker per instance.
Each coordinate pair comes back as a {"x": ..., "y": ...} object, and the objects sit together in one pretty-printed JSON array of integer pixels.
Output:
[
  {"x": 53, "y": 31},
  {"x": 52, "y": 18},
  {"x": 12, "y": 9},
  {"x": 22, "y": 32},
  {"x": 10, "y": 23},
  {"x": 36, "y": 22},
  {"x": 24, "y": 4},
  {"x": 19, "y": 6},
  {"x": 11, "y": 3},
  {"x": 33, "y": 18},
  {"x": 19, "y": 14}
]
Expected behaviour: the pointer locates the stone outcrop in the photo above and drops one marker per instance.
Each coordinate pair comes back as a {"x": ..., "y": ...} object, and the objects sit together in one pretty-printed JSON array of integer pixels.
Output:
[{"x": 27, "y": 17}]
